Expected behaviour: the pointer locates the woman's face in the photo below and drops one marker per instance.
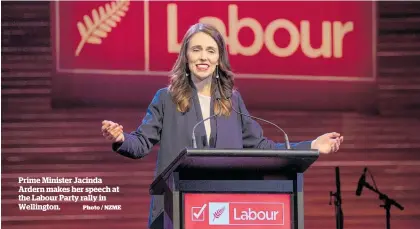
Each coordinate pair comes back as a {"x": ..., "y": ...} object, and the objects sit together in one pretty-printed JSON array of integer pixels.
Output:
[{"x": 202, "y": 55}]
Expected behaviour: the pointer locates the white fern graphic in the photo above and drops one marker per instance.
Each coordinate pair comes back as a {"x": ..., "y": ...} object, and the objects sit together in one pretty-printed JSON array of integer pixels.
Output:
[{"x": 94, "y": 29}]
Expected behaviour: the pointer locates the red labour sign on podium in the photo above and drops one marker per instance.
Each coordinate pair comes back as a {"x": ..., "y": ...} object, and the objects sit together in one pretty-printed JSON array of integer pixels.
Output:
[{"x": 234, "y": 211}]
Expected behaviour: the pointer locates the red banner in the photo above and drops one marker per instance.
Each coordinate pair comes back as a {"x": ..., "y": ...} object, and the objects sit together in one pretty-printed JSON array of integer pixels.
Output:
[
  {"x": 133, "y": 44},
  {"x": 234, "y": 211},
  {"x": 302, "y": 39}
]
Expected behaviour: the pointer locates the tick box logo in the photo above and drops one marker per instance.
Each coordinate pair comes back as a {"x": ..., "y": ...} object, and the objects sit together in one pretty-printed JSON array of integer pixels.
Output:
[
  {"x": 197, "y": 213},
  {"x": 218, "y": 213}
]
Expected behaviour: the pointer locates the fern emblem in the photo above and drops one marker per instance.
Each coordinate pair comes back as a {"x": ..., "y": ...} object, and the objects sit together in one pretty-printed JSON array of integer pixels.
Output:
[
  {"x": 218, "y": 213},
  {"x": 93, "y": 30}
]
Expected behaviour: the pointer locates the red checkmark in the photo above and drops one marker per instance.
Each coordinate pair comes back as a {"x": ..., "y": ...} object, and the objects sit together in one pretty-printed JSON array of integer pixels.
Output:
[{"x": 198, "y": 213}]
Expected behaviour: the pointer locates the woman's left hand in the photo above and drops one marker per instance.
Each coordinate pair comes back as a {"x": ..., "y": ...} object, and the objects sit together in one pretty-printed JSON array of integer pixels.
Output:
[{"x": 327, "y": 143}]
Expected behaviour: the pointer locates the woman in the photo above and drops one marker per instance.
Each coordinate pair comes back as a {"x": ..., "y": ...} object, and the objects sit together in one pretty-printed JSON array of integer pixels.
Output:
[{"x": 201, "y": 86}]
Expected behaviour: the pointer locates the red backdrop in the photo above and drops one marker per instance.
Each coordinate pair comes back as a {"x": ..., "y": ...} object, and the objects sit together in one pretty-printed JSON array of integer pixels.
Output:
[{"x": 308, "y": 55}]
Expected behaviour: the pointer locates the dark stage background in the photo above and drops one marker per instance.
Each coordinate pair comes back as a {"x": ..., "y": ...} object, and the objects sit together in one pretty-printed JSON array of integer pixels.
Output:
[{"x": 45, "y": 133}]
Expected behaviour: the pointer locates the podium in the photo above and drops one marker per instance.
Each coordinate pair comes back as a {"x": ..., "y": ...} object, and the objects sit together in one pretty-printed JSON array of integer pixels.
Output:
[{"x": 234, "y": 188}]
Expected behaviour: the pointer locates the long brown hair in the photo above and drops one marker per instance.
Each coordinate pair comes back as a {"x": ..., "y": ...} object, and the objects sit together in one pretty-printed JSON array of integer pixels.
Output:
[{"x": 181, "y": 84}]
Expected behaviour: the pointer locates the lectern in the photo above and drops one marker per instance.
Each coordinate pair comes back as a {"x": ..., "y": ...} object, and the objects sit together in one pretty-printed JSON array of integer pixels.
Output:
[{"x": 234, "y": 188}]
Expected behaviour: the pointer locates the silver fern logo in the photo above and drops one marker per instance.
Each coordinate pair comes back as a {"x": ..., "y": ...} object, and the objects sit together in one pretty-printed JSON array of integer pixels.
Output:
[
  {"x": 93, "y": 29},
  {"x": 218, "y": 213}
]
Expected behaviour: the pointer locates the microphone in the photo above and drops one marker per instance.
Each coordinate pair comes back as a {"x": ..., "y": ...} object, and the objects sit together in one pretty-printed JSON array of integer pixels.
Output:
[
  {"x": 286, "y": 138},
  {"x": 361, "y": 183},
  {"x": 193, "y": 132},
  {"x": 228, "y": 97},
  {"x": 194, "y": 142}
]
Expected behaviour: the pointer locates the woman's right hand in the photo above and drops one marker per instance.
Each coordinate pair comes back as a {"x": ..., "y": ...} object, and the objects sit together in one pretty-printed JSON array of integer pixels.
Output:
[{"x": 112, "y": 131}]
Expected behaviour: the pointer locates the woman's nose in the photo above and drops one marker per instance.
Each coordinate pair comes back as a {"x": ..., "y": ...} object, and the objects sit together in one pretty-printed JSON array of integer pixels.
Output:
[{"x": 203, "y": 55}]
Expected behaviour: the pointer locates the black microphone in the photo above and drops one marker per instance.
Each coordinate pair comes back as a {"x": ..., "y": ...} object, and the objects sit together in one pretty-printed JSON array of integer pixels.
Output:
[
  {"x": 361, "y": 183},
  {"x": 228, "y": 97},
  {"x": 286, "y": 138},
  {"x": 193, "y": 132}
]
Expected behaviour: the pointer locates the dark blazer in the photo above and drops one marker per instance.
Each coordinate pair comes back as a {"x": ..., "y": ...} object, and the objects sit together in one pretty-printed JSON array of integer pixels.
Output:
[{"x": 173, "y": 130}]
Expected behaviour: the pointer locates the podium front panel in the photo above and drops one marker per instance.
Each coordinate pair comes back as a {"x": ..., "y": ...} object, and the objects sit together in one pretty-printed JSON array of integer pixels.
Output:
[{"x": 236, "y": 211}]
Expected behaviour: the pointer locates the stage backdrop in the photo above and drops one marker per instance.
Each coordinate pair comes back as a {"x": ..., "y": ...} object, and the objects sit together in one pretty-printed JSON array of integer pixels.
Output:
[{"x": 286, "y": 55}]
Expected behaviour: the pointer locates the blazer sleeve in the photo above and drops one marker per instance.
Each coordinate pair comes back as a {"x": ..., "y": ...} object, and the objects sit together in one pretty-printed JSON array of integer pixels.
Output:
[
  {"x": 140, "y": 142},
  {"x": 252, "y": 133}
]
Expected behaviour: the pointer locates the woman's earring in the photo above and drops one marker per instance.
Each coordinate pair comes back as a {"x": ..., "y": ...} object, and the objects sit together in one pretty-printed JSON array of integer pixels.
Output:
[
  {"x": 217, "y": 72},
  {"x": 186, "y": 74}
]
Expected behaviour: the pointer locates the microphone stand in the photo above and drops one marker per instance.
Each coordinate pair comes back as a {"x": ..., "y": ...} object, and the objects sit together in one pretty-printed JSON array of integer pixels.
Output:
[
  {"x": 337, "y": 200},
  {"x": 388, "y": 202}
]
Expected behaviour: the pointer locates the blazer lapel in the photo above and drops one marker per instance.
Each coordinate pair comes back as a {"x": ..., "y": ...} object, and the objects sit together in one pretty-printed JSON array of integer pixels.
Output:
[{"x": 213, "y": 125}]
